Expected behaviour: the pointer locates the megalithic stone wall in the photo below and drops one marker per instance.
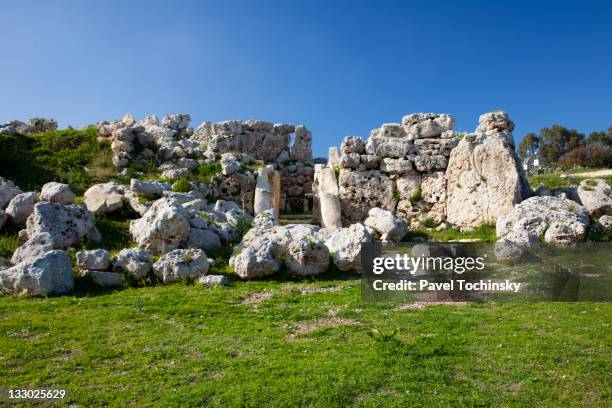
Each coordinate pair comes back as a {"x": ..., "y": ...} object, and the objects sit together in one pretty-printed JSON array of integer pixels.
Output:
[{"x": 427, "y": 173}]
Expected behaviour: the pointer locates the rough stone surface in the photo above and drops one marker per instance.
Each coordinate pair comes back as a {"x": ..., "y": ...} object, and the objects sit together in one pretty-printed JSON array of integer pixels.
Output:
[
  {"x": 153, "y": 189},
  {"x": 57, "y": 193},
  {"x": 67, "y": 224},
  {"x": 21, "y": 207},
  {"x": 97, "y": 260},
  {"x": 214, "y": 280},
  {"x": 163, "y": 227},
  {"x": 38, "y": 244},
  {"x": 306, "y": 255},
  {"x": 567, "y": 220},
  {"x": 8, "y": 190},
  {"x": 345, "y": 246},
  {"x": 264, "y": 190},
  {"x": 204, "y": 239},
  {"x": 181, "y": 264},
  {"x": 104, "y": 279},
  {"x": 387, "y": 225},
  {"x": 134, "y": 262},
  {"x": 606, "y": 223},
  {"x": 328, "y": 196},
  {"x": 49, "y": 274},
  {"x": 104, "y": 198},
  {"x": 362, "y": 190},
  {"x": 484, "y": 180},
  {"x": 596, "y": 196}
]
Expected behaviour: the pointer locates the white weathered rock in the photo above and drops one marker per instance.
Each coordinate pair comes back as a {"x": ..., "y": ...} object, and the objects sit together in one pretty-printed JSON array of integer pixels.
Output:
[
  {"x": 494, "y": 122},
  {"x": 153, "y": 189},
  {"x": 38, "y": 245},
  {"x": 181, "y": 264},
  {"x": 329, "y": 200},
  {"x": 259, "y": 259},
  {"x": 389, "y": 226},
  {"x": 97, "y": 260},
  {"x": 301, "y": 150},
  {"x": 7, "y": 192},
  {"x": 306, "y": 255},
  {"x": 134, "y": 262},
  {"x": 345, "y": 246},
  {"x": 392, "y": 147},
  {"x": 362, "y": 190},
  {"x": 428, "y": 125},
  {"x": 67, "y": 224},
  {"x": 163, "y": 227},
  {"x": 21, "y": 207},
  {"x": 104, "y": 279},
  {"x": 49, "y": 274},
  {"x": 596, "y": 196},
  {"x": 176, "y": 121},
  {"x": 333, "y": 158},
  {"x": 397, "y": 166},
  {"x": 606, "y": 223},
  {"x": 104, "y": 198},
  {"x": 567, "y": 220},
  {"x": 214, "y": 280},
  {"x": 264, "y": 190},
  {"x": 57, "y": 193},
  {"x": 353, "y": 144},
  {"x": 203, "y": 239},
  {"x": 229, "y": 164},
  {"x": 484, "y": 180}
]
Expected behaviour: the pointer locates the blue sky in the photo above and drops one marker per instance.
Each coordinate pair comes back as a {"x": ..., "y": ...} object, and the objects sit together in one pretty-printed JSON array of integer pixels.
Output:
[{"x": 339, "y": 67}]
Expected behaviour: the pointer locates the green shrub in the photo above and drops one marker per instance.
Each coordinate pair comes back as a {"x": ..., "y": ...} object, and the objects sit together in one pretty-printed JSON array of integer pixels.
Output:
[
  {"x": 397, "y": 195},
  {"x": 244, "y": 224},
  {"x": 206, "y": 172},
  {"x": 428, "y": 222},
  {"x": 416, "y": 196},
  {"x": 181, "y": 186}
]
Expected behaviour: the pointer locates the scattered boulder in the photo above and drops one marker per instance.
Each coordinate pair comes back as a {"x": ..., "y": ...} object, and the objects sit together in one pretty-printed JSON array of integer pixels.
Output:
[
  {"x": 567, "y": 220},
  {"x": 163, "y": 228},
  {"x": 57, "y": 193},
  {"x": 345, "y": 245},
  {"x": 214, "y": 280},
  {"x": 134, "y": 262},
  {"x": 150, "y": 190},
  {"x": 38, "y": 245},
  {"x": 104, "y": 279},
  {"x": 229, "y": 164},
  {"x": 21, "y": 207},
  {"x": 104, "y": 198},
  {"x": 306, "y": 255},
  {"x": 204, "y": 239},
  {"x": 49, "y": 274},
  {"x": 181, "y": 264},
  {"x": 259, "y": 259},
  {"x": 606, "y": 223},
  {"x": 67, "y": 224},
  {"x": 596, "y": 196},
  {"x": 7, "y": 192},
  {"x": 386, "y": 225},
  {"x": 97, "y": 260}
]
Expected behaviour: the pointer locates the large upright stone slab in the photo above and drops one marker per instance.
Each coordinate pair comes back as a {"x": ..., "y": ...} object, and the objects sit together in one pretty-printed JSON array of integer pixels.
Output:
[
  {"x": 264, "y": 189},
  {"x": 329, "y": 200},
  {"x": 484, "y": 177}
]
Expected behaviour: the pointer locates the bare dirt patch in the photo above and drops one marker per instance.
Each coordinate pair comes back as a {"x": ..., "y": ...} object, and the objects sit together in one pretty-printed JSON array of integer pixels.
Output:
[
  {"x": 256, "y": 298},
  {"x": 423, "y": 305},
  {"x": 307, "y": 290},
  {"x": 596, "y": 173},
  {"x": 323, "y": 322}
]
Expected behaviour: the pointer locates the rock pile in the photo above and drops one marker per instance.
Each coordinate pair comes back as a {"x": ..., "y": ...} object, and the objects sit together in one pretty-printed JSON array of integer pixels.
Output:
[
  {"x": 400, "y": 168},
  {"x": 33, "y": 125}
]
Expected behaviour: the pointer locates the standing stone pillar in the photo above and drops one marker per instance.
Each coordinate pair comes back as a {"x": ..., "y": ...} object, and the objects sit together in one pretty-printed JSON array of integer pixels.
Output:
[
  {"x": 329, "y": 200},
  {"x": 267, "y": 190},
  {"x": 276, "y": 190},
  {"x": 333, "y": 157}
]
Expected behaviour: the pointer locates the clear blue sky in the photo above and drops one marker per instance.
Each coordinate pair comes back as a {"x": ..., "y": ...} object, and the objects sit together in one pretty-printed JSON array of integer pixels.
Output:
[{"x": 339, "y": 67}]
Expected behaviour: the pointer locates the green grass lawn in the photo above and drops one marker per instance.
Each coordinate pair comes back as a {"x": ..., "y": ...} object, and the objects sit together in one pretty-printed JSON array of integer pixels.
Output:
[
  {"x": 554, "y": 180},
  {"x": 289, "y": 342}
]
